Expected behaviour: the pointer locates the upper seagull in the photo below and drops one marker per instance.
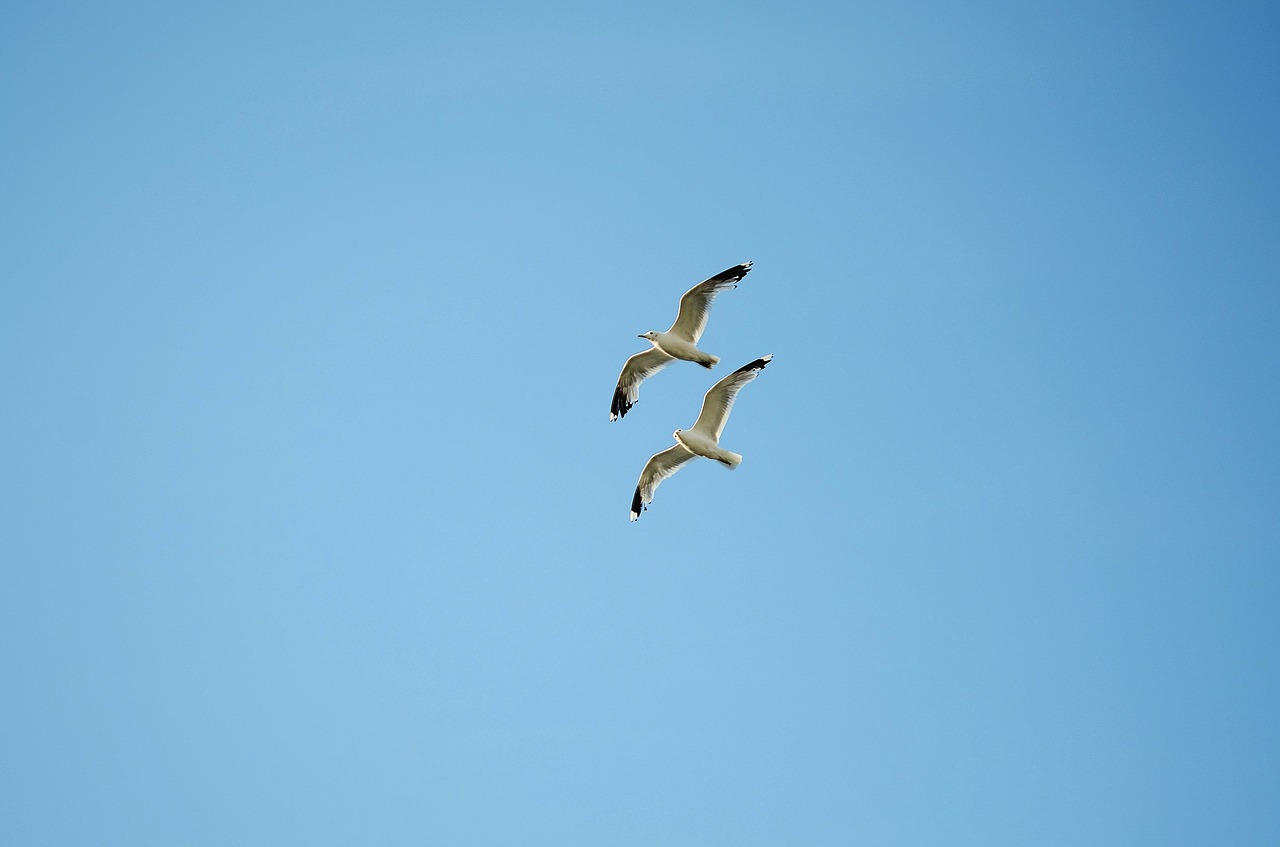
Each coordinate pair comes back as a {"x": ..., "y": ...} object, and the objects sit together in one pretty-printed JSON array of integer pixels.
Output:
[
  {"x": 702, "y": 440},
  {"x": 679, "y": 342}
]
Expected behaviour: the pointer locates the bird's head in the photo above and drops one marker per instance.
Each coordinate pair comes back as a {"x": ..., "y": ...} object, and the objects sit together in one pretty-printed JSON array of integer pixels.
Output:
[
  {"x": 676, "y": 435},
  {"x": 649, "y": 335}
]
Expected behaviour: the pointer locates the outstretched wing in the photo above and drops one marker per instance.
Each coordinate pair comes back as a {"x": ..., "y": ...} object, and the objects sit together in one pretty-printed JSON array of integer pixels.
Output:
[
  {"x": 659, "y": 467},
  {"x": 638, "y": 368},
  {"x": 718, "y": 402},
  {"x": 696, "y": 302}
]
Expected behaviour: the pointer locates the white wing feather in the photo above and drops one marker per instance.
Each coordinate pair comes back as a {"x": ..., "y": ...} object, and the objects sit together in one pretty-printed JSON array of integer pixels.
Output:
[
  {"x": 718, "y": 401},
  {"x": 638, "y": 368},
  {"x": 659, "y": 467},
  {"x": 695, "y": 305}
]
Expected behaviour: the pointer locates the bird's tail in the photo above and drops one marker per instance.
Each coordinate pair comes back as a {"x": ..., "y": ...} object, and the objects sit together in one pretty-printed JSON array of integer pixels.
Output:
[
  {"x": 729, "y": 459},
  {"x": 709, "y": 361}
]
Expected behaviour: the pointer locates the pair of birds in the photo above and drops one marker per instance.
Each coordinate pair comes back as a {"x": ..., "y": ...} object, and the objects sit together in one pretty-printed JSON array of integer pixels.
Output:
[{"x": 681, "y": 342}]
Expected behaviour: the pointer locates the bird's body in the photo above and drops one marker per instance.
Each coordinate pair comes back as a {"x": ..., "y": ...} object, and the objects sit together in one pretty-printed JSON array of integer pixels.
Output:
[
  {"x": 702, "y": 439},
  {"x": 701, "y": 444},
  {"x": 678, "y": 342},
  {"x": 681, "y": 348}
]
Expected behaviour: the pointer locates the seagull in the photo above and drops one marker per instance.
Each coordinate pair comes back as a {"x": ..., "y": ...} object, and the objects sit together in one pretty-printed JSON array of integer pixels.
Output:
[
  {"x": 702, "y": 440},
  {"x": 679, "y": 342}
]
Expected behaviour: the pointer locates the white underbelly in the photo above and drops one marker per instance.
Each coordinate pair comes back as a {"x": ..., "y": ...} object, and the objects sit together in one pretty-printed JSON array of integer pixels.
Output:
[
  {"x": 678, "y": 348},
  {"x": 699, "y": 444}
]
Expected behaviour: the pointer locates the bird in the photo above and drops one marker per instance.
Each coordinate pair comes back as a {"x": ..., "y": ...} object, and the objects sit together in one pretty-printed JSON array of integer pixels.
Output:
[
  {"x": 679, "y": 342},
  {"x": 702, "y": 439}
]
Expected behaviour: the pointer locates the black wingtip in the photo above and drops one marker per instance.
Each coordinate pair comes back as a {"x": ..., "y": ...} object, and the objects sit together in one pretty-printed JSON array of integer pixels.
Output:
[
  {"x": 734, "y": 273},
  {"x": 757, "y": 365},
  {"x": 637, "y": 505},
  {"x": 620, "y": 406}
]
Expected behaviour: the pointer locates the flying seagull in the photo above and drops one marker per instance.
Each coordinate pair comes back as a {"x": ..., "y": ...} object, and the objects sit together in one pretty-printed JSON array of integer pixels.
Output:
[
  {"x": 702, "y": 440},
  {"x": 679, "y": 342}
]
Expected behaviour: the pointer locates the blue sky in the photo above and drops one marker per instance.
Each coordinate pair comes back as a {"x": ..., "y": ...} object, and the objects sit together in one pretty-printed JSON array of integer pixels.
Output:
[{"x": 314, "y": 526}]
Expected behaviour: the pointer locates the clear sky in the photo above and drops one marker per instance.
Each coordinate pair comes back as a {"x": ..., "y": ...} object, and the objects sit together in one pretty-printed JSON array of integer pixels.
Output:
[{"x": 313, "y": 526}]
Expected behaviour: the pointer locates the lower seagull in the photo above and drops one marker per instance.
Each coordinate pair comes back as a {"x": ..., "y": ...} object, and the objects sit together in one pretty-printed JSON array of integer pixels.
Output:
[{"x": 703, "y": 439}]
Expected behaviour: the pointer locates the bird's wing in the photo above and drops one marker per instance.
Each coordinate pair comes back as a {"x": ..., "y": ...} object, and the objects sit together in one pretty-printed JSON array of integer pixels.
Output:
[
  {"x": 638, "y": 368},
  {"x": 696, "y": 302},
  {"x": 659, "y": 467},
  {"x": 719, "y": 400}
]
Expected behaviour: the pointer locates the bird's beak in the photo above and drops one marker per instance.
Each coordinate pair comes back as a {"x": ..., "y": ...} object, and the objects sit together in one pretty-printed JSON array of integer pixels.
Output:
[{"x": 639, "y": 336}]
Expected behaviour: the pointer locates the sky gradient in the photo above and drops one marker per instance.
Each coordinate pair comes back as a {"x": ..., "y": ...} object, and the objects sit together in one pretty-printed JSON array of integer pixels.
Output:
[{"x": 313, "y": 525}]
